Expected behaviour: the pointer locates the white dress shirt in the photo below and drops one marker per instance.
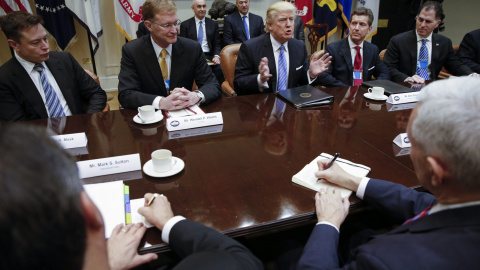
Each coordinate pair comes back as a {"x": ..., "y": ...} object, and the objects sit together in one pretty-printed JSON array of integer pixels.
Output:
[{"x": 353, "y": 51}]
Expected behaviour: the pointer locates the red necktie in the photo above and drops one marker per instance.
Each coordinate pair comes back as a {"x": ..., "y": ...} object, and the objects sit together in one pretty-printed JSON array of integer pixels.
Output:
[
  {"x": 422, "y": 214},
  {"x": 357, "y": 67}
]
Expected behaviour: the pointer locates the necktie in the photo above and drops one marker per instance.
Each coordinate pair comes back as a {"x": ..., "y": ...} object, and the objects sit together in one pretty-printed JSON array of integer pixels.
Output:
[
  {"x": 246, "y": 26},
  {"x": 282, "y": 70},
  {"x": 279, "y": 106},
  {"x": 53, "y": 102},
  {"x": 200, "y": 33},
  {"x": 163, "y": 64},
  {"x": 357, "y": 67},
  {"x": 422, "y": 64},
  {"x": 422, "y": 214}
]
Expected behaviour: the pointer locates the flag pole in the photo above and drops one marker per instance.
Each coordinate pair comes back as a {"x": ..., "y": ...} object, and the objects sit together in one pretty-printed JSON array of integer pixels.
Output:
[{"x": 92, "y": 54}]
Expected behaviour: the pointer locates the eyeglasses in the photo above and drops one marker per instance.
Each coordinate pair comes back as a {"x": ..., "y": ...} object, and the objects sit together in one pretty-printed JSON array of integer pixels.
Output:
[{"x": 168, "y": 25}]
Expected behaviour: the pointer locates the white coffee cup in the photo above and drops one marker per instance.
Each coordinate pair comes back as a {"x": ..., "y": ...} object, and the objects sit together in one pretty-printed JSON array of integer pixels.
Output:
[
  {"x": 162, "y": 160},
  {"x": 146, "y": 113},
  {"x": 376, "y": 92}
]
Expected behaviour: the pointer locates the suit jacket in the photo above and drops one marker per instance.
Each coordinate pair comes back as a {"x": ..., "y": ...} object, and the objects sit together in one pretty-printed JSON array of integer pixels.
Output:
[
  {"x": 298, "y": 32},
  {"x": 444, "y": 240},
  {"x": 188, "y": 29},
  {"x": 340, "y": 72},
  {"x": 140, "y": 78},
  {"x": 201, "y": 247},
  {"x": 234, "y": 31},
  {"x": 251, "y": 51},
  {"x": 469, "y": 51},
  {"x": 401, "y": 57},
  {"x": 20, "y": 99}
]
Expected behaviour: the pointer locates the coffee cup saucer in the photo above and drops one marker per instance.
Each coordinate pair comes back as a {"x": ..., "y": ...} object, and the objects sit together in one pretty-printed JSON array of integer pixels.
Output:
[
  {"x": 178, "y": 167},
  {"x": 158, "y": 118},
  {"x": 370, "y": 96}
]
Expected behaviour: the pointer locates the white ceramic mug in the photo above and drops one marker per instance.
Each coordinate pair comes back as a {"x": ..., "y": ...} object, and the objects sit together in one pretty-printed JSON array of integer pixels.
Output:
[
  {"x": 376, "y": 92},
  {"x": 146, "y": 113},
  {"x": 162, "y": 160}
]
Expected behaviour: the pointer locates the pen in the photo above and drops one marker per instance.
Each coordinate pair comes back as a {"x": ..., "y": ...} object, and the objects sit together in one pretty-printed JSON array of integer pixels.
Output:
[
  {"x": 191, "y": 110},
  {"x": 152, "y": 199},
  {"x": 331, "y": 163}
]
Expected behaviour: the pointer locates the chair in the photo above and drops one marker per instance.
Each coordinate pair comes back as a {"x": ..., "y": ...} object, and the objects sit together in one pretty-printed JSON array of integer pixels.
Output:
[
  {"x": 228, "y": 58},
  {"x": 318, "y": 53},
  {"x": 444, "y": 73},
  {"x": 314, "y": 38},
  {"x": 95, "y": 78},
  {"x": 382, "y": 53}
]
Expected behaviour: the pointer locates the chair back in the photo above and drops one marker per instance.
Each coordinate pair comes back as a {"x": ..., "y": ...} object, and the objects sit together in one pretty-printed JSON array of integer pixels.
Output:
[
  {"x": 314, "y": 38},
  {"x": 228, "y": 59},
  {"x": 382, "y": 53},
  {"x": 318, "y": 53}
]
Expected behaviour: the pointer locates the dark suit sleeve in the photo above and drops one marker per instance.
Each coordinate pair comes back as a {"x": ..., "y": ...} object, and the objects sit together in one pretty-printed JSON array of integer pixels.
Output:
[
  {"x": 392, "y": 60},
  {"x": 453, "y": 63},
  {"x": 326, "y": 78},
  {"x": 246, "y": 72},
  {"x": 227, "y": 31},
  {"x": 13, "y": 106},
  {"x": 320, "y": 252},
  {"x": 469, "y": 51},
  {"x": 183, "y": 30},
  {"x": 217, "y": 47},
  {"x": 204, "y": 78},
  {"x": 188, "y": 238},
  {"x": 381, "y": 71}
]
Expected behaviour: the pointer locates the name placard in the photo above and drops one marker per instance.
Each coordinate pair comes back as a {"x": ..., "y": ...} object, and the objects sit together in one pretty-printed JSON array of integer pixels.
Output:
[
  {"x": 194, "y": 121},
  {"x": 403, "y": 98},
  {"x": 402, "y": 140},
  {"x": 111, "y": 165},
  {"x": 73, "y": 140}
]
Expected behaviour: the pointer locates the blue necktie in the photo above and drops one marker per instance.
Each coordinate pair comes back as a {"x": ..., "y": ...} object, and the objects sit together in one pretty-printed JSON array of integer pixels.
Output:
[
  {"x": 200, "y": 33},
  {"x": 282, "y": 70},
  {"x": 53, "y": 102},
  {"x": 246, "y": 26},
  {"x": 422, "y": 63}
]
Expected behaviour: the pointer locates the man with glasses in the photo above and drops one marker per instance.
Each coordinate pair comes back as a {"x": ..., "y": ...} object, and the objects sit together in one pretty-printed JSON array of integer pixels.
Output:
[
  {"x": 242, "y": 25},
  {"x": 158, "y": 69}
]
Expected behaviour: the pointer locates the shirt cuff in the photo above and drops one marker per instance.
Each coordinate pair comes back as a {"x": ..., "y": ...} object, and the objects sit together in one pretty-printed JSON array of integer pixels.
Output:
[
  {"x": 156, "y": 102},
  {"x": 362, "y": 187},
  {"x": 310, "y": 81},
  {"x": 168, "y": 227},
  {"x": 261, "y": 86},
  {"x": 330, "y": 224}
]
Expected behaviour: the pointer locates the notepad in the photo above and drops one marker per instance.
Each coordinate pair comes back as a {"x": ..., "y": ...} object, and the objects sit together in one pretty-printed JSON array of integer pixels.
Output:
[{"x": 306, "y": 177}]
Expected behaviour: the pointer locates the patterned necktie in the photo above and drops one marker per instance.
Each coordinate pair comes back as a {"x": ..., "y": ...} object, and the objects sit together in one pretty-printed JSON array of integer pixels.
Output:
[
  {"x": 357, "y": 67},
  {"x": 246, "y": 26},
  {"x": 53, "y": 102},
  {"x": 279, "y": 106},
  {"x": 422, "y": 214},
  {"x": 422, "y": 63},
  {"x": 163, "y": 64},
  {"x": 282, "y": 70},
  {"x": 200, "y": 33}
]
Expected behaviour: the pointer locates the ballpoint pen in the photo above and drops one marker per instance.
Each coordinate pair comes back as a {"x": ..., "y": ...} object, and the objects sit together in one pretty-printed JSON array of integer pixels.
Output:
[{"x": 331, "y": 163}]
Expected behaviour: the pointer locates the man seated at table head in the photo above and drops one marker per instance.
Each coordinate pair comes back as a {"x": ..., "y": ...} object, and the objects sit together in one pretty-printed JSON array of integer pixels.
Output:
[
  {"x": 47, "y": 221},
  {"x": 469, "y": 51},
  {"x": 160, "y": 68},
  {"x": 298, "y": 32},
  {"x": 242, "y": 25},
  {"x": 36, "y": 83},
  {"x": 353, "y": 59},
  {"x": 418, "y": 55},
  {"x": 441, "y": 229},
  {"x": 276, "y": 61},
  {"x": 205, "y": 32}
]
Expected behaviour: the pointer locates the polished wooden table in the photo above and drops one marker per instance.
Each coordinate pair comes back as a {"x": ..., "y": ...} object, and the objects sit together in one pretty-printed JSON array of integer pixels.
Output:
[{"x": 237, "y": 177}]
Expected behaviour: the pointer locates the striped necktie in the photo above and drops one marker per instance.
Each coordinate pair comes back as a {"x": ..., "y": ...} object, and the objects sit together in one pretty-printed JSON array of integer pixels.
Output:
[
  {"x": 422, "y": 63},
  {"x": 200, "y": 33},
  {"x": 52, "y": 101},
  {"x": 246, "y": 27},
  {"x": 282, "y": 70},
  {"x": 422, "y": 214}
]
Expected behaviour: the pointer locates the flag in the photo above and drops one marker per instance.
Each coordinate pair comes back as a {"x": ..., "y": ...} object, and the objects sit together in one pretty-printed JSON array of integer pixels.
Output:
[
  {"x": 345, "y": 7},
  {"x": 7, "y": 6},
  {"x": 128, "y": 14},
  {"x": 374, "y": 6},
  {"x": 87, "y": 13},
  {"x": 325, "y": 11},
  {"x": 304, "y": 10},
  {"x": 58, "y": 21}
]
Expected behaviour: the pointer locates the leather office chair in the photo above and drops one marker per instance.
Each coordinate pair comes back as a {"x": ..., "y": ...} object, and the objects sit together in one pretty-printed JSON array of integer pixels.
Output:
[
  {"x": 228, "y": 58},
  {"x": 382, "y": 53},
  {"x": 314, "y": 38},
  {"x": 95, "y": 78},
  {"x": 444, "y": 74},
  {"x": 318, "y": 53}
]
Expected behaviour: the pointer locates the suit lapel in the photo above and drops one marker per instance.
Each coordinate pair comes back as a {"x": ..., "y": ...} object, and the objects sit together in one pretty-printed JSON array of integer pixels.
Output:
[
  {"x": 292, "y": 65},
  {"x": 267, "y": 43},
  {"x": 209, "y": 29},
  {"x": 367, "y": 55},
  {"x": 193, "y": 32},
  {"x": 176, "y": 67},
  {"x": 58, "y": 71},
  {"x": 240, "y": 23},
  {"x": 435, "y": 56},
  {"x": 347, "y": 56},
  {"x": 412, "y": 43},
  {"x": 151, "y": 62}
]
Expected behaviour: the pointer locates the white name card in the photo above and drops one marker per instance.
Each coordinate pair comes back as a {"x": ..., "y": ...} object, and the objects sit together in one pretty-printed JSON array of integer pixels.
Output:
[
  {"x": 402, "y": 140},
  {"x": 111, "y": 165},
  {"x": 74, "y": 140},
  {"x": 194, "y": 121},
  {"x": 403, "y": 98}
]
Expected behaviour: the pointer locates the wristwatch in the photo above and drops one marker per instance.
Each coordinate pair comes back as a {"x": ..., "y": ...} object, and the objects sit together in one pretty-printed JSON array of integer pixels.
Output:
[{"x": 200, "y": 95}]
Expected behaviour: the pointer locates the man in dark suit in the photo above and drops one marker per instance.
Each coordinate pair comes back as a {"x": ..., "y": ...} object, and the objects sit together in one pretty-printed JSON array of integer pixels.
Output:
[
  {"x": 36, "y": 83},
  {"x": 158, "y": 69},
  {"x": 256, "y": 67},
  {"x": 353, "y": 59},
  {"x": 440, "y": 230},
  {"x": 469, "y": 51},
  {"x": 419, "y": 55},
  {"x": 236, "y": 24},
  {"x": 210, "y": 42},
  {"x": 298, "y": 32}
]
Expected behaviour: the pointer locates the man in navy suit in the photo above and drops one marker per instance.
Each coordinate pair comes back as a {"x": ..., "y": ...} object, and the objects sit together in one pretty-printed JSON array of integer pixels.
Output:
[
  {"x": 351, "y": 50},
  {"x": 242, "y": 25},
  {"x": 160, "y": 68},
  {"x": 37, "y": 83},
  {"x": 404, "y": 52},
  {"x": 469, "y": 51},
  {"x": 207, "y": 36},
  {"x": 440, "y": 230},
  {"x": 258, "y": 60}
]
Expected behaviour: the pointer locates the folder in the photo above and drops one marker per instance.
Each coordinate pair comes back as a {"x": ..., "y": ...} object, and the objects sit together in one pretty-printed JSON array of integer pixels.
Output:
[{"x": 306, "y": 96}]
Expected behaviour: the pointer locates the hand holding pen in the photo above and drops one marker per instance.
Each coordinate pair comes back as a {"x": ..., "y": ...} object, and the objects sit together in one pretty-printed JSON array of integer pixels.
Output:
[
  {"x": 331, "y": 163},
  {"x": 157, "y": 209}
]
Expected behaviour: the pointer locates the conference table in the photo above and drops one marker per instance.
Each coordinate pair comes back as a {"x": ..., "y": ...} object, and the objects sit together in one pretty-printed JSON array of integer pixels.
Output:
[{"x": 238, "y": 176}]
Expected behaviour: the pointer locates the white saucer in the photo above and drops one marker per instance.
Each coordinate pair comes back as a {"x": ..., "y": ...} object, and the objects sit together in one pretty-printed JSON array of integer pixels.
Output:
[
  {"x": 369, "y": 96},
  {"x": 158, "y": 118},
  {"x": 178, "y": 167}
]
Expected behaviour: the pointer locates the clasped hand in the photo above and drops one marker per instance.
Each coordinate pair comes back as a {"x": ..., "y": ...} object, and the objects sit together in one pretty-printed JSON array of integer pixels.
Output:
[{"x": 179, "y": 98}]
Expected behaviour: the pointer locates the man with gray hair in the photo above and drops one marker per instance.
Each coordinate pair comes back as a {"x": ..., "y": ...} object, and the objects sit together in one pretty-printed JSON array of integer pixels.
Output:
[
  {"x": 441, "y": 229},
  {"x": 276, "y": 61}
]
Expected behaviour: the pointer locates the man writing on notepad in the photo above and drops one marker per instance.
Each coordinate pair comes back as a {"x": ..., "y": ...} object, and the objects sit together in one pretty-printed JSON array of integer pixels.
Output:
[{"x": 440, "y": 230}]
